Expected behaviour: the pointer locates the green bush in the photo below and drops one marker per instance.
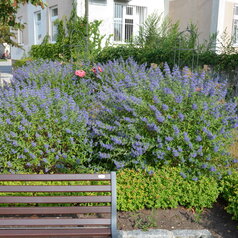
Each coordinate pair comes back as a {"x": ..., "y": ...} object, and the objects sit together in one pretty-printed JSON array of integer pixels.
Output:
[
  {"x": 163, "y": 188},
  {"x": 46, "y": 51},
  {"x": 160, "y": 55},
  {"x": 121, "y": 51},
  {"x": 230, "y": 193},
  {"x": 21, "y": 62}
]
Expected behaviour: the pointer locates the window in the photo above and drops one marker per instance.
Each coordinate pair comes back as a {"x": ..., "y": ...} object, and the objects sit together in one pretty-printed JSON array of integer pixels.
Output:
[
  {"x": 53, "y": 26},
  {"x": 104, "y": 2},
  {"x": 20, "y": 33},
  {"x": 235, "y": 26},
  {"x": 38, "y": 28},
  {"x": 127, "y": 20}
]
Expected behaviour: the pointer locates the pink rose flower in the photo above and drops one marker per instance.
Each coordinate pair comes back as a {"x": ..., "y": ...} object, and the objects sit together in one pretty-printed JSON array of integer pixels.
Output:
[
  {"x": 198, "y": 89},
  {"x": 80, "y": 73},
  {"x": 99, "y": 69}
]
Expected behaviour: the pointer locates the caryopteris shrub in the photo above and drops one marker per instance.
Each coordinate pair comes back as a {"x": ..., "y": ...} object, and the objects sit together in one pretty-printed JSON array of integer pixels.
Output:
[
  {"x": 56, "y": 75},
  {"x": 42, "y": 129},
  {"x": 43, "y": 71},
  {"x": 152, "y": 118}
]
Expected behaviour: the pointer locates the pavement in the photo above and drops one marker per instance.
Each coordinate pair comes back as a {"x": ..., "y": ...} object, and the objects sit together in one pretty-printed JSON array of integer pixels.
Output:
[
  {"x": 5, "y": 72},
  {"x": 160, "y": 233}
]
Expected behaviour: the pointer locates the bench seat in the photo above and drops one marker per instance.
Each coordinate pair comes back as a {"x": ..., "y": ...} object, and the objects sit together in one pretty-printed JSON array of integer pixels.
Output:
[{"x": 82, "y": 210}]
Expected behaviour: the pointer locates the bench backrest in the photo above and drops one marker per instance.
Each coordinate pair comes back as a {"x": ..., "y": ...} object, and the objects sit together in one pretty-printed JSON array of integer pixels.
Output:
[{"x": 36, "y": 214}]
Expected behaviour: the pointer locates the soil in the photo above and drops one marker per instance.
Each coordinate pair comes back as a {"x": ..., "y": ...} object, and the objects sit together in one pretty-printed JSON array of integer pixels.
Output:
[{"x": 215, "y": 219}]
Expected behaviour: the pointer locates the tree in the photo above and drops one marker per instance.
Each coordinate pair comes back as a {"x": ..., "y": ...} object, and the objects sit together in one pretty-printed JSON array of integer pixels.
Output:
[
  {"x": 7, "y": 36},
  {"x": 8, "y": 11},
  {"x": 8, "y": 21}
]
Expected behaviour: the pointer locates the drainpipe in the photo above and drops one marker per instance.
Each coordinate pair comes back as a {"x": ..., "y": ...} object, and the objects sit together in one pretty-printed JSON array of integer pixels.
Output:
[
  {"x": 86, "y": 17},
  {"x": 214, "y": 18}
]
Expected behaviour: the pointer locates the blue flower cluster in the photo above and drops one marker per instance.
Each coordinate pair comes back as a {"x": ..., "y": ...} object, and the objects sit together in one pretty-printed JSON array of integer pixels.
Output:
[
  {"x": 175, "y": 118},
  {"x": 129, "y": 116},
  {"x": 42, "y": 129}
]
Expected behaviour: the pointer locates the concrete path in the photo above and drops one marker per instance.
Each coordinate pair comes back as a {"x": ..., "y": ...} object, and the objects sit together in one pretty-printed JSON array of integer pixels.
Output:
[
  {"x": 165, "y": 234},
  {"x": 5, "y": 72}
]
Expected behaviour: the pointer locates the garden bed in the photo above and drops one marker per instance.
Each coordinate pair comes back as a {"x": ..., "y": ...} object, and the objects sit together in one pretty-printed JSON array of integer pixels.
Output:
[{"x": 215, "y": 219}]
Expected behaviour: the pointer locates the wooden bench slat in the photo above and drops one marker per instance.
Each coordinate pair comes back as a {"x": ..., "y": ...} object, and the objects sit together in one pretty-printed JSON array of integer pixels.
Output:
[
  {"x": 54, "y": 199},
  {"x": 42, "y": 221},
  {"x": 53, "y": 222},
  {"x": 55, "y": 232},
  {"x": 55, "y": 177},
  {"x": 54, "y": 210},
  {"x": 58, "y": 188}
]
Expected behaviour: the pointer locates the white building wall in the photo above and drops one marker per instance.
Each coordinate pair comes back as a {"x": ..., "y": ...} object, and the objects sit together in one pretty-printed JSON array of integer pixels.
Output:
[
  {"x": 97, "y": 11},
  {"x": 105, "y": 12}
]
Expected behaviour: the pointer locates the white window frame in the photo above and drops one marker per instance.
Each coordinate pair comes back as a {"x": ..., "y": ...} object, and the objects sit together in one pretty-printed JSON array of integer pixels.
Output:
[
  {"x": 135, "y": 18},
  {"x": 38, "y": 28},
  {"x": 52, "y": 19},
  {"x": 20, "y": 32},
  {"x": 235, "y": 26}
]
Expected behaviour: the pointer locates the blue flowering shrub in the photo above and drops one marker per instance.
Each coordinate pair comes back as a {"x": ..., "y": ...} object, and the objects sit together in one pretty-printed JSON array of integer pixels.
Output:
[
  {"x": 150, "y": 118},
  {"x": 44, "y": 71},
  {"x": 61, "y": 75},
  {"x": 42, "y": 129},
  {"x": 155, "y": 126}
]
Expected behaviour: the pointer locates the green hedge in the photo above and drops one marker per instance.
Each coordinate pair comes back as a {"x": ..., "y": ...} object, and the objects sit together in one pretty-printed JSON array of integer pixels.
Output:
[
  {"x": 230, "y": 194},
  {"x": 21, "y": 62},
  {"x": 159, "y": 55},
  {"x": 163, "y": 188},
  {"x": 47, "y": 51}
]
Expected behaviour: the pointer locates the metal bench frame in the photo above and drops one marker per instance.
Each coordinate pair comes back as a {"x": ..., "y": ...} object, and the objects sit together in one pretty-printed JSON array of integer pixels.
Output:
[{"x": 13, "y": 221}]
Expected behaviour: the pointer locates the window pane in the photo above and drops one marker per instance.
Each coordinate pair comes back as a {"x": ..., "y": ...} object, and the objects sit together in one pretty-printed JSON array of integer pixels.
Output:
[
  {"x": 98, "y": 1},
  {"x": 141, "y": 12},
  {"x": 54, "y": 12},
  {"x": 128, "y": 29},
  {"x": 20, "y": 33},
  {"x": 118, "y": 22},
  {"x": 38, "y": 16},
  {"x": 118, "y": 30},
  {"x": 235, "y": 31},
  {"x": 236, "y": 10},
  {"x": 54, "y": 17},
  {"x": 118, "y": 11},
  {"x": 129, "y": 11},
  {"x": 38, "y": 28}
]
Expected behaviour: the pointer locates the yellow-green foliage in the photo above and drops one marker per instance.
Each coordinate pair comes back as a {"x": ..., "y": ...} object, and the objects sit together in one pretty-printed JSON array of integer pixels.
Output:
[
  {"x": 230, "y": 193},
  {"x": 164, "y": 188},
  {"x": 21, "y": 62}
]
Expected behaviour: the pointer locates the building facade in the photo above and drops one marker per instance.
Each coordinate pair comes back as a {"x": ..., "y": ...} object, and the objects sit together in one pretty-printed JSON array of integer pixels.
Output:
[
  {"x": 120, "y": 18},
  {"x": 210, "y": 16}
]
